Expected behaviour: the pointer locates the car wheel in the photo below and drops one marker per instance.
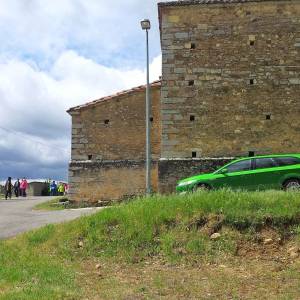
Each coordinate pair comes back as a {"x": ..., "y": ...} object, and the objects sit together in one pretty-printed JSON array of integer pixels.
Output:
[
  {"x": 201, "y": 187},
  {"x": 292, "y": 185}
]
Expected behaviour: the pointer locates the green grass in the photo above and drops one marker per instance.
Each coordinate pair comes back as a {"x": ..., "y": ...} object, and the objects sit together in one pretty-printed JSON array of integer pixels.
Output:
[
  {"x": 43, "y": 264},
  {"x": 146, "y": 227},
  {"x": 53, "y": 204},
  {"x": 60, "y": 203},
  {"x": 27, "y": 273}
]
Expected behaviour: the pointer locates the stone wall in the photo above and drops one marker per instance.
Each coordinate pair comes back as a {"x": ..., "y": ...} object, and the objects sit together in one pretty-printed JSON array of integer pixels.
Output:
[
  {"x": 37, "y": 188},
  {"x": 105, "y": 181},
  {"x": 115, "y": 129},
  {"x": 108, "y": 147},
  {"x": 231, "y": 78},
  {"x": 170, "y": 171}
]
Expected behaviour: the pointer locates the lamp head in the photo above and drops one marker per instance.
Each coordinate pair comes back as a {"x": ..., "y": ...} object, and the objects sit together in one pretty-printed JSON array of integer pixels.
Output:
[{"x": 146, "y": 25}]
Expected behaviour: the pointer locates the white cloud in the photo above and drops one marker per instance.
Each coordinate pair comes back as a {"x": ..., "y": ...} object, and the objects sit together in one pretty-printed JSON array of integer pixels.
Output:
[
  {"x": 107, "y": 31},
  {"x": 57, "y": 54},
  {"x": 35, "y": 127}
]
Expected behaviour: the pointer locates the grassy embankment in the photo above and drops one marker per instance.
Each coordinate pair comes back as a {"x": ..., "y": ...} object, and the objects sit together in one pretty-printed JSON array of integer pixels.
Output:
[
  {"x": 162, "y": 248},
  {"x": 59, "y": 203}
]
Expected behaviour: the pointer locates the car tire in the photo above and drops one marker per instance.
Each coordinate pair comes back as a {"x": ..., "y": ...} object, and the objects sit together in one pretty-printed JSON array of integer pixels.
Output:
[
  {"x": 292, "y": 185},
  {"x": 201, "y": 187}
]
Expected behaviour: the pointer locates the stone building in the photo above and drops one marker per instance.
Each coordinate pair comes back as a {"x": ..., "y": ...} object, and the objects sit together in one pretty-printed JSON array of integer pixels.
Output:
[
  {"x": 108, "y": 146},
  {"x": 230, "y": 87},
  {"x": 230, "y": 82},
  {"x": 37, "y": 188}
]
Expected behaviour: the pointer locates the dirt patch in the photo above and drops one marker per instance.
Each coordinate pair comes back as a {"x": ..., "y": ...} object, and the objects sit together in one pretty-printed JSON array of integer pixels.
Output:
[
  {"x": 206, "y": 225},
  {"x": 269, "y": 245},
  {"x": 254, "y": 242},
  {"x": 236, "y": 278}
]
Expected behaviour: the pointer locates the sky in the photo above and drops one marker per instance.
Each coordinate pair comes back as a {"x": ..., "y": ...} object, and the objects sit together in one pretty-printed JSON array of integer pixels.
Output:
[{"x": 58, "y": 54}]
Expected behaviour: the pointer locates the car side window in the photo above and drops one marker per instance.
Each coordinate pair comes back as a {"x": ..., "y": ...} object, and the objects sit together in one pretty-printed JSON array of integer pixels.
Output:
[
  {"x": 244, "y": 165},
  {"x": 262, "y": 163},
  {"x": 287, "y": 161}
]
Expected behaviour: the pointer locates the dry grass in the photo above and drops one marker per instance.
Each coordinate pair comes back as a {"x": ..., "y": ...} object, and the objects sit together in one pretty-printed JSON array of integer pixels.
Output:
[{"x": 235, "y": 278}]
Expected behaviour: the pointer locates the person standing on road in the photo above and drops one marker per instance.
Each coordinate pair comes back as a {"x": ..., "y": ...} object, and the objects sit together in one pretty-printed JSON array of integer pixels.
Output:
[
  {"x": 17, "y": 188},
  {"x": 66, "y": 188},
  {"x": 53, "y": 189},
  {"x": 8, "y": 188},
  {"x": 61, "y": 189},
  {"x": 23, "y": 187}
]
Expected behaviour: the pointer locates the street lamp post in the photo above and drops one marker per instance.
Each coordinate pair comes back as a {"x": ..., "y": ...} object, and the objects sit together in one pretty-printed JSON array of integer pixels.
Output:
[{"x": 146, "y": 25}]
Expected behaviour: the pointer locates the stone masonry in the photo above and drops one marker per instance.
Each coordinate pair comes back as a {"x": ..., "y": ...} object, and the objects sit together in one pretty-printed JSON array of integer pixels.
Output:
[
  {"x": 230, "y": 87},
  {"x": 108, "y": 146},
  {"x": 230, "y": 79}
]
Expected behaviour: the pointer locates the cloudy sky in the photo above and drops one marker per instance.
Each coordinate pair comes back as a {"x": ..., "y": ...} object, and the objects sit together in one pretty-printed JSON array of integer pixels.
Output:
[{"x": 57, "y": 54}]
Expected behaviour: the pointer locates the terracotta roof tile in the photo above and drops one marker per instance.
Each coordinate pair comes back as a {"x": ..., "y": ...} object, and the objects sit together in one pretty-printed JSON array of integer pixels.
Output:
[{"x": 111, "y": 97}]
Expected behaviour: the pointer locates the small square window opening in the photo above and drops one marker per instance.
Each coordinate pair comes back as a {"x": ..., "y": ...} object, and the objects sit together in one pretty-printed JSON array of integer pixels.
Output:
[
  {"x": 251, "y": 43},
  {"x": 192, "y": 118},
  {"x": 268, "y": 117},
  {"x": 151, "y": 119},
  {"x": 194, "y": 154},
  {"x": 251, "y": 81},
  {"x": 193, "y": 46},
  {"x": 251, "y": 153},
  {"x": 106, "y": 122},
  {"x": 191, "y": 82},
  {"x": 90, "y": 157}
]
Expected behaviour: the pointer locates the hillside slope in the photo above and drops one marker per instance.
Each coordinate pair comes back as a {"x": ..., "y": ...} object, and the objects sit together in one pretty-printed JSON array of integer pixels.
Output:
[{"x": 209, "y": 245}]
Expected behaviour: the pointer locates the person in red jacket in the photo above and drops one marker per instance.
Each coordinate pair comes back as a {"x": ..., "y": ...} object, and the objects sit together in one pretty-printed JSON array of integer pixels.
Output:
[{"x": 23, "y": 187}]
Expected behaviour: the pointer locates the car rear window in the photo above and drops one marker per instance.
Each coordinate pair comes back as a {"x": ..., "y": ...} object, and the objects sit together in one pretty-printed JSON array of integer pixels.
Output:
[
  {"x": 261, "y": 163},
  {"x": 287, "y": 161},
  {"x": 243, "y": 165}
]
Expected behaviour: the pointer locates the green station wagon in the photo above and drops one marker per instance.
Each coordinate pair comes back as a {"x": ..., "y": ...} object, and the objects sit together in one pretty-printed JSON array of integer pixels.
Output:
[{"x": 251, "y": 173}]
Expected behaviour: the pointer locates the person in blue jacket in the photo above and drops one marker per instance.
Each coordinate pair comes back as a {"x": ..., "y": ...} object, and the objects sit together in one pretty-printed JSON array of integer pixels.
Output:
[{"x": 53, "y": 189}]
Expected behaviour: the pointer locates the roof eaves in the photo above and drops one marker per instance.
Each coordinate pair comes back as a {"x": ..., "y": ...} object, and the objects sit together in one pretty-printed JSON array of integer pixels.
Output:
[{"x": 111, "y": 97}]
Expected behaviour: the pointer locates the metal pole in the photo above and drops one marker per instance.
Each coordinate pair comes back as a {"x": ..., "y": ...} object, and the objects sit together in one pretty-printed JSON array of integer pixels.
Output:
[{"x": 148, "y": 132}]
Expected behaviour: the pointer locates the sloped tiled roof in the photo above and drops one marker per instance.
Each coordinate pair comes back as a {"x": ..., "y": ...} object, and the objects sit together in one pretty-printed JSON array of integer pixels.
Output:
[{"x": 111, "y": 97}]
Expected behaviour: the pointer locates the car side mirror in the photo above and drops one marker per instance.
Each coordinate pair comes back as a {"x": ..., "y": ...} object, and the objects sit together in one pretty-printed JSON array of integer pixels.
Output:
[{"x": 223, "y": 171}]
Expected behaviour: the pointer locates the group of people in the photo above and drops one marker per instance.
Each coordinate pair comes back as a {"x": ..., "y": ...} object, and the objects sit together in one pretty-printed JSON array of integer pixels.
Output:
[
  {"x": 59, "y": 189},
  {"x": 19, "y": 188}
]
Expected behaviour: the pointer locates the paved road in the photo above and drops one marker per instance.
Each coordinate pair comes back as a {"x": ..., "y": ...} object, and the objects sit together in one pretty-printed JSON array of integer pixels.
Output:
[{"x": 17, "y": 215}]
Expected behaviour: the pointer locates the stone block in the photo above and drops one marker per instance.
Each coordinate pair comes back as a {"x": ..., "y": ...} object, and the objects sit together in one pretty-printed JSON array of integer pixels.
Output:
[
  {"x": 294, "y": 81},
  {"x": 77, "y": 126},
  {"x": 77, "y": 146},
  {"x": 173, "y": 19},
  {"x": 170, "y": 143},
  {"x": 179, "y": 70},
  {"x": 181, "y": 35},
  {"x": 202, "y": 26},
  {"x": 83, "y": 141},
  {"x": 251, "y": 38},
  {"x": 75, "y": 179},
  {"x": 178, "y": 117},
  {"x": 169, "y": 111}
]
